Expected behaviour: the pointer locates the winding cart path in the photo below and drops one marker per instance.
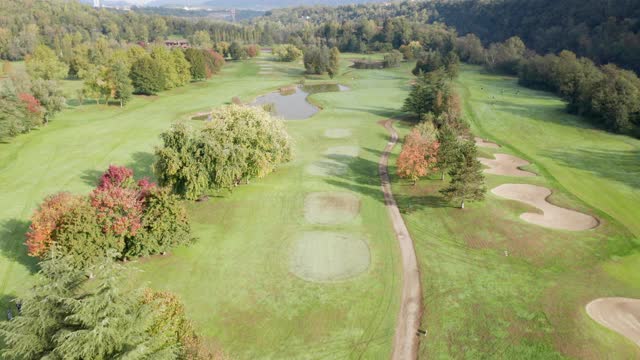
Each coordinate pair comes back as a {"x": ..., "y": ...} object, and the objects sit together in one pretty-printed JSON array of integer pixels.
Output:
[{"x": 405, "y": 342}]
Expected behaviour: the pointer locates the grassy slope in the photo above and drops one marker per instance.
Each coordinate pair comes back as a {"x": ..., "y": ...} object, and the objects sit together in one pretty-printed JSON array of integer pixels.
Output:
[
  {"x": 234, "y": 281},
  {"x": 529, "y": 304}
]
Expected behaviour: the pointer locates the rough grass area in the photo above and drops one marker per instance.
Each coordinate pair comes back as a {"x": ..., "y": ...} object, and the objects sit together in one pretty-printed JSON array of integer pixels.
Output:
[
  {"x": 321, "y": 256},
  {"x": 498, "y": 287},
  {"x": 331, "y": 208}
]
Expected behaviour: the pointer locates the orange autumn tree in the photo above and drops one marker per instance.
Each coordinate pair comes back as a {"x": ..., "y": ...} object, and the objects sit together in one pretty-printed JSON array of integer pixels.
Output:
[
  {"x": 418, "y": 156},
  {"x": 45, "y": 220}
]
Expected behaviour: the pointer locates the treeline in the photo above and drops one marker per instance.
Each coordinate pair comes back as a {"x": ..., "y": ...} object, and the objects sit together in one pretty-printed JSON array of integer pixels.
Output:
[
  {"x": 441, "y": 141},
  {"x": 604, "y": 31},
  {"x": 607, "y": 95}
]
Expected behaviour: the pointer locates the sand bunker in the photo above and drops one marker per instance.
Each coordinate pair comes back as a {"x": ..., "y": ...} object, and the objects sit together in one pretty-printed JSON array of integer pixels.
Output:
[
  {"x": 328, "y": 167},
  {"x": 505, "y": 165},
  {"x": 488, "y": 144},
  {"x": 330, "y": 208},
  {"x": 321, "y": 256},
  {"x": 337, "y": 133},
  {"x": 553, "y": 216},
  {"x": 342, "y": 152},
  {"x": 621, "y": 315}
]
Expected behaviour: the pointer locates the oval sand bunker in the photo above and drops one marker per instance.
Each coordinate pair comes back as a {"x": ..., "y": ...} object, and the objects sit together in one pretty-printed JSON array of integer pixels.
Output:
[
  {"x": 621, "y": 315},
  {"x": 329, "y": 208},
  {"x": 337, "y": 133},
  {"x": 553, "y": 216},
  {"x": 488, "y": 144},
  {"x": 505, "y": 164},
  {"x": 320, "y": 256}
]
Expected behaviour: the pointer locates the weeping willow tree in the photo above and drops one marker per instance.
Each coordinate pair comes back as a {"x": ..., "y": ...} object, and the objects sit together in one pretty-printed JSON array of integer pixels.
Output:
[{"x": 239, "y": 144}]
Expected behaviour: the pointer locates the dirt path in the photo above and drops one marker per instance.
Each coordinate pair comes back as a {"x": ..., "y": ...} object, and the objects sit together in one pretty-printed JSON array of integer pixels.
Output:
[{"x": 405, "y": 341}]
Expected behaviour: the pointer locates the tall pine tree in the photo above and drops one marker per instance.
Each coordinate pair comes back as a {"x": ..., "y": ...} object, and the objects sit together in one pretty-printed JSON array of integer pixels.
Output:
[{"x": 467, "y": 180}]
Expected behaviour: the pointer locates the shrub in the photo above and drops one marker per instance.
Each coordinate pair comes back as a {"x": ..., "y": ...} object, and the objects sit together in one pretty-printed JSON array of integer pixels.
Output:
[
  {"x": 132, "y": 218},
  {"x": 287, "y": 52},
  {"x": 392, "y": 59},
  {"x": 252, "y": 50}
]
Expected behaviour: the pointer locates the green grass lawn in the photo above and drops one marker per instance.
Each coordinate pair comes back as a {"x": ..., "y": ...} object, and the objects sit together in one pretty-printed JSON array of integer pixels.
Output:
[
  {"x": 481, "y": 303},
  {"x": 235, "y": 280}
]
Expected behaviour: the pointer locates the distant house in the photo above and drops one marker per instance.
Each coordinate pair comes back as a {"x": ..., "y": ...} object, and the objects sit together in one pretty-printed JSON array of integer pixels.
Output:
[{"x": 178, "y": 43}]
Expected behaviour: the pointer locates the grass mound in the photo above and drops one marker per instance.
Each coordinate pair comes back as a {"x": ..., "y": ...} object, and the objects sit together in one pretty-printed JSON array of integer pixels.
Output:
[
  {"x": 330, "y": 208},
  {"x": 327, "y": 167},
  {"x": 337, "y": 133},
  {"x": 320, "y": 256}
]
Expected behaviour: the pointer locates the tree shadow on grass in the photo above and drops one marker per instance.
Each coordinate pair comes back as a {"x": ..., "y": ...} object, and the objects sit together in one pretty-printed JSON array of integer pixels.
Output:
[
  {"x": 620, "y": 166},
  {"x": 142, "y": 164},
  {"x": 12, "y": 237}
]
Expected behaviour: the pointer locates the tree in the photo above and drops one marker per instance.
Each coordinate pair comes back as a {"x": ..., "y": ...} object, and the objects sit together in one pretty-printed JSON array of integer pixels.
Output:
[
  {"x": 198, "y": 67},
  {"x": 287, "y": 53},
  {"x": 162, "y": 56},
  {"x": 448, "y": 151},
  {"x": 334, "y": 62},
  {"x": 69, "y": 315},
  {"x": 50, "y": 96},
  {"x": 122, "y": 87},
  {"x": 213, "y": 62},
  {"x": 467, "y": 180},
  {"x": 252, "y": 50},
  {"x": 146, "y": 76},
  {"x": 201, "y": 39},
  {"x": 237, "y": 51},
  {"x": 44, "y": 64},
  {"x": 182, "y": 67},
  {"x": 316, "y": 60},
  {"x": 428, "y": 94},
  {"x": 392, "y": 59},
  {"x": 164, "y": 225},
  {"x": 418, "y": 156},
  {"x": 240, "y": 143},
  {"x": 44, "y": 222}
]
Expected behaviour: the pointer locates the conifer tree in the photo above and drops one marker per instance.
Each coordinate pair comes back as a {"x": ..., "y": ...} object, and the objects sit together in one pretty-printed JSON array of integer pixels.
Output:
[
  {"x": 447, "y": 153},
  {"x": 467, "y": 180}
]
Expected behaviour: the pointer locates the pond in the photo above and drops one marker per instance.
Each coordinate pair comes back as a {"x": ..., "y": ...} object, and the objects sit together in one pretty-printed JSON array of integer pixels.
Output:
[{"x": 291, "y": 103}]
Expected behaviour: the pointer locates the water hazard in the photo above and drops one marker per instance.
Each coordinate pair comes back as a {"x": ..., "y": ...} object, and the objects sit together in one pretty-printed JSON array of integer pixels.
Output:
[{"x": 291, "y": 103}]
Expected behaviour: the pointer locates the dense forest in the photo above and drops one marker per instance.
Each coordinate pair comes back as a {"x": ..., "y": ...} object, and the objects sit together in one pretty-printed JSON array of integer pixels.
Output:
[
  {"x": 510, "y": 37},
  {"x": 604, "y": 31}
]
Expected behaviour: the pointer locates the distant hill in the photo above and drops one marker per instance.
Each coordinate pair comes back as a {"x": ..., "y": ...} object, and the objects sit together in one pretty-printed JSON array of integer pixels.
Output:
[{"x": 254, "y": 4}]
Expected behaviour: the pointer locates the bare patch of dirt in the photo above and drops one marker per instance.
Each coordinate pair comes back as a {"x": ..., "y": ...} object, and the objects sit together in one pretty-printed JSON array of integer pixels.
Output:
[{"x": 330, "y": 208}]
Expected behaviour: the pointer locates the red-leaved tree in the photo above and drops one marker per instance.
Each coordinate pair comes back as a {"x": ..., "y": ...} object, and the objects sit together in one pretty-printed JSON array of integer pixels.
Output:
[
  {"x": 119, "y": 210},
  {"x": 45, "y": 220},
  {"x": 418, "y": 156},
  {"x": 32, "y": 104},
  {"x": 118, "y": 176}
]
